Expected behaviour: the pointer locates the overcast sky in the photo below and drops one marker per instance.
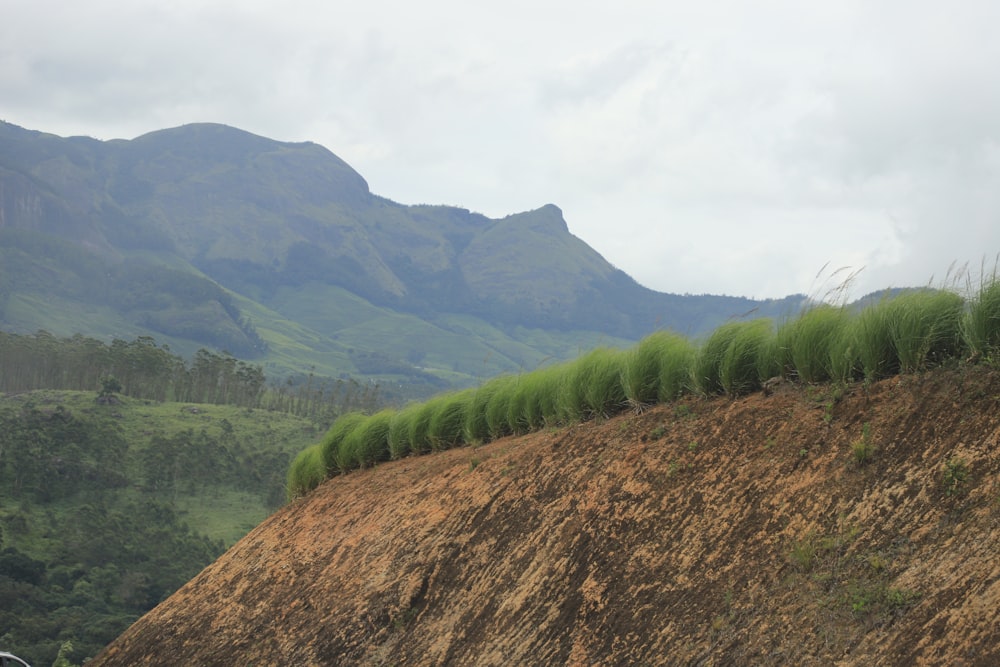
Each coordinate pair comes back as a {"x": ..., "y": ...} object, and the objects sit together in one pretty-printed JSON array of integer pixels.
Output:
[{"x": 703, "y": 147}]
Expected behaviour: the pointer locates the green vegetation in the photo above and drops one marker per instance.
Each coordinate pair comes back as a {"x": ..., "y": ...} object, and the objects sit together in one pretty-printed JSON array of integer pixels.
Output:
[
  {"x": 863, "y": 448},
  {"x": 981, "y": 326},
  {"x": 806, "y": 345},
  {"x": 109, "y": 503},
  {"x": 908, "y": 332},
  {"x": 955, "y": 476}
]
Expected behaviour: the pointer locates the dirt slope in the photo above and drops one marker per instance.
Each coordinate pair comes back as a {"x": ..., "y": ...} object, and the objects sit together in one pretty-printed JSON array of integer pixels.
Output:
[{"x": 710, "y": 532}]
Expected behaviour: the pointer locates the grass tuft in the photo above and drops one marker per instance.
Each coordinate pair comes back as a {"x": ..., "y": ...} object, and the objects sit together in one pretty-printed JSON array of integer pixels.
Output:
[
  {"x": 306, "y": 472},
  {"x": 333, "y": 457},
  {"x": 447, "y": 425},
  {"x": 981, "y": 324}
]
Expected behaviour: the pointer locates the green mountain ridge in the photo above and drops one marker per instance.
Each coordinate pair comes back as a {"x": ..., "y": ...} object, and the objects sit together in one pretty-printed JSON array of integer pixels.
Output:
[{"x": 206, "y": 235}]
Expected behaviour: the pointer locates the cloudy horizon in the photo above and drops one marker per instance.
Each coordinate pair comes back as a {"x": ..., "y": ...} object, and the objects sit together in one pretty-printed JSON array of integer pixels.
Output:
[{"x": 715, "y": 148}]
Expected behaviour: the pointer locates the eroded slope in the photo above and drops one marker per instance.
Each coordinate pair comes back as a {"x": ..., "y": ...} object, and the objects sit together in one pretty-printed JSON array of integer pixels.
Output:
[{"x": 714, "y": 532}]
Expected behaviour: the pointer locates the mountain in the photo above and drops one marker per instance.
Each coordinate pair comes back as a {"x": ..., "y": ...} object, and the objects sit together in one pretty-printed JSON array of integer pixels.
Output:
[
  {"x": 206, "y": 235},
  {"x": 707, "y": 531}
]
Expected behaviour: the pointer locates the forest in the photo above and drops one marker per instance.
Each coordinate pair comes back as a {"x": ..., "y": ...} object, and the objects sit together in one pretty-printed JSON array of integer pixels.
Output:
[{"x": 125, "y": 469}]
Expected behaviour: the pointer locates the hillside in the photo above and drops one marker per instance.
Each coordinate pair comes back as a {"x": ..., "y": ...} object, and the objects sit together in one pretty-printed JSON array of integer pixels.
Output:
[
  {"x": 709, "y": 531},
  {"x": 208, "y": 236}
]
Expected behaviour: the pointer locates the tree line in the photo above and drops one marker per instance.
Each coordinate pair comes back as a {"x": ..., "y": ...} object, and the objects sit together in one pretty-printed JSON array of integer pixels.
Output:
[{"x": 143, "y": 369}]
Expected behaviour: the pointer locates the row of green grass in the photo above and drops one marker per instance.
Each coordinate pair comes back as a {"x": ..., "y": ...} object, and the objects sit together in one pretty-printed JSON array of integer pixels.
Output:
[{"x": 907, "y": 333}]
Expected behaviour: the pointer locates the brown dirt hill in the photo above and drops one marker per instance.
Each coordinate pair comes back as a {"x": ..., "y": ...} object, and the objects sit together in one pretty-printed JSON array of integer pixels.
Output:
[{"x": 706, "y": 532}]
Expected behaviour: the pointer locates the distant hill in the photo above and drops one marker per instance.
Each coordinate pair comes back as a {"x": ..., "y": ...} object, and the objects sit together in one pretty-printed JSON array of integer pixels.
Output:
[{"x": 205, "y": 235}]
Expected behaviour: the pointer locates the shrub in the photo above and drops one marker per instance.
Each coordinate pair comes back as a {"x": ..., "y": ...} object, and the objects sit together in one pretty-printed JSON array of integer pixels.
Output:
[{"x": 306, "y": 472}]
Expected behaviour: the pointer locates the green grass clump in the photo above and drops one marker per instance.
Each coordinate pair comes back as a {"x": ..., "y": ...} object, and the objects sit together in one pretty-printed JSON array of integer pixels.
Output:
[
  {"x": 710, "y": 357},
  {"x": 863, "y": 449},
  {"x": 677, "y": 358},
  {"x": 808, "y": 343},
  {"x": 306, "y": 472},
  {"x": 640, "y": 375},
  {"x": 981, "y": 324},
  {"x": 447, "y": 425},
  {"x": 536, "y": 398},
  {"x": 399, "y": 430},
  {"x": 498, "y": 406},
  {"x": 477, "y": 428},
  {"x": 368, "y": 443},
  {"x": 905, "y": 334},
  {"x": 420, "y": 425},
  {"x": 333, "y": 457},
  {"x": 592, "y": 387},
  {"x": 657, "y": 369},
  {"x": 871, "y": 341},
  {"x": 601, "y": 373},
  {"x": 729, "y": 361},
  {"x": 926, "y": 328}
]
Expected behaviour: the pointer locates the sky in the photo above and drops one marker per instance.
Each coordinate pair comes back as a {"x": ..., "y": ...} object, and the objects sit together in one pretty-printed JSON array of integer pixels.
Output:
[{"x": 755, "y": 149}]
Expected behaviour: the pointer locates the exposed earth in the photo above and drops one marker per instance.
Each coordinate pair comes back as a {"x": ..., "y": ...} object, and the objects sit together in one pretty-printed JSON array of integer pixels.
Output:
[{"x": 703, "y": 532}]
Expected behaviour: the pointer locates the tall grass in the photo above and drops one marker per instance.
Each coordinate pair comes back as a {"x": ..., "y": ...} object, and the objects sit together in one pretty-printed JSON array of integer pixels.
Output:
[
  {"x": 728, "y": 362},
  {"x": 447, "y": 425},
  {"x": 677, "y": 360},
  {"x": 708, "y": 362},
  {"x": 592, "y": 387},
  {"x": 477, "y": 428},
  {"x": 871, "y": 339},
  {"x": 926, "y": 328},
  {"x": 806, "y": 345},
  {"x": 910, "y": 332},
  {"x": 640, "y": 374},
  {"x": 535, "y": 402},
  {"x": 368, "y": 443},
  {"x": 399, "y": 430},
  {"x": 981, "y": 325},
  {"x": 741, "y": 371},
  {"x": 420, "y": 426},
  {"x": 333, "y": 457},
  {"x": 306, "y": 472},
  {"x": 499, "y": 404}
]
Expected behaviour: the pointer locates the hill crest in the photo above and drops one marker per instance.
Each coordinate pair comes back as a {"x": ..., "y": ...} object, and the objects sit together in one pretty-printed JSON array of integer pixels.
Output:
[{"x": 275, "y": 242}]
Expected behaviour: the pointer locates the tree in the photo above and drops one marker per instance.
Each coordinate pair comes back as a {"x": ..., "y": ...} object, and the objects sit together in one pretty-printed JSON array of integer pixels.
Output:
[{"x": 109, "y": 387}]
